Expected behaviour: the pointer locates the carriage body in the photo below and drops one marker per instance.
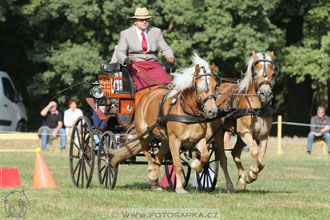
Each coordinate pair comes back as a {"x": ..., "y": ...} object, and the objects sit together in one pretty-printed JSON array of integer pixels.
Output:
[{"x": 114, "y": 89}]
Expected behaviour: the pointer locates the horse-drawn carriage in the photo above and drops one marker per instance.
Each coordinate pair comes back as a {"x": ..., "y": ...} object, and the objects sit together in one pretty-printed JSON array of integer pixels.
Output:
[
  {"x": 90, "y": 144},
  {"x": 115, "y": 91}
]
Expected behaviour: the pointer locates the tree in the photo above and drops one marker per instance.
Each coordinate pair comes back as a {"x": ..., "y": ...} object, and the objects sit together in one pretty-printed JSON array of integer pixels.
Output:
[{"x": 49, "y": 46}]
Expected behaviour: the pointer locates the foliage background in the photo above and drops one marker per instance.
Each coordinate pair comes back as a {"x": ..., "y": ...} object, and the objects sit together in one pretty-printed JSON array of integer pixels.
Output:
[{"x": 49, "y": 45}]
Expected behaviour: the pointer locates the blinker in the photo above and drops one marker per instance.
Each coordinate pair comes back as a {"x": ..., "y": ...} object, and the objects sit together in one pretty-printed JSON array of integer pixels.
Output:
[{"x": 206, "y": 85}]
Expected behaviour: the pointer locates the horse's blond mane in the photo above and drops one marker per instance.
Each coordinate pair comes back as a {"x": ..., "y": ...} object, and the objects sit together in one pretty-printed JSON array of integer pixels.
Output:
[
  {"x": 246, "y": 78},
  {"x": 185, "y": 79}
]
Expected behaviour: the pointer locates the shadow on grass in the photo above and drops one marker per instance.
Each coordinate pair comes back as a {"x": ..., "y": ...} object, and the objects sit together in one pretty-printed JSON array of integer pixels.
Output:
[
  {"x": 260, "y": 192},
  {"x": 190, "y": 189},
  {"x": 135, "y": 186}
]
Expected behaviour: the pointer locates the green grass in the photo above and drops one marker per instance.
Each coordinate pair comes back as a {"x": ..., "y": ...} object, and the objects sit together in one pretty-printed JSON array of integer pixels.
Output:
[{"x": 292, "y": 186}]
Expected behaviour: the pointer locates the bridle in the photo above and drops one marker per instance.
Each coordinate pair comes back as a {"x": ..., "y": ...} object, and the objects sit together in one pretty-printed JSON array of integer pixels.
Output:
[
  {"x": 203, "y": 101},
  {"x": 264, "y": 72}
]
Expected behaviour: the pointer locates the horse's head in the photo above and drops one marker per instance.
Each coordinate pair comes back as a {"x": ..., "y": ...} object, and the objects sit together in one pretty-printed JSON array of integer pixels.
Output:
[
  {"x": 264, "y": 74},
  {"x": 206, "y": 90}
]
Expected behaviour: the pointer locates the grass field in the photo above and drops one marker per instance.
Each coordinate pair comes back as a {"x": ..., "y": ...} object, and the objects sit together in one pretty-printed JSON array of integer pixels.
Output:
[{"x": 292, "y": 186}]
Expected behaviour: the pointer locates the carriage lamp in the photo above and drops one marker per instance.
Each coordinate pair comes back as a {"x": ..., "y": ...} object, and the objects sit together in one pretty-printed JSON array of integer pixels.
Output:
[
  {"x": 97, "y": 92},
  {"x": 96, "y": 83}
]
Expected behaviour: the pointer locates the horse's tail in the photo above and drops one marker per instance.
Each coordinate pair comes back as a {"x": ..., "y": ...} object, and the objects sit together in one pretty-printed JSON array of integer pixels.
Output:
[{"x": 125, "y": 152}]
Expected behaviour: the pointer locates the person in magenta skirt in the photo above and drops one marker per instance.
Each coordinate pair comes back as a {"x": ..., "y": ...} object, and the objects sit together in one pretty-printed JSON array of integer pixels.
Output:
[{"x": 140, "y": 45}]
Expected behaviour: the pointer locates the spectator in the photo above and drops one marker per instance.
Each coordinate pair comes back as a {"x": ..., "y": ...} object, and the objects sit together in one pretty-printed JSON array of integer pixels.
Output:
[
  {"x": 321, "y": 130},
  {"x": 52, "y": 118},
  {"x": 71, "y": 115}
]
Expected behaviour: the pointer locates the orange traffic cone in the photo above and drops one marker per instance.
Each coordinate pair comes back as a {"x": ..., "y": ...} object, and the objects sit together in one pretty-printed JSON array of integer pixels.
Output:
[{"x": 42, "y": 177}]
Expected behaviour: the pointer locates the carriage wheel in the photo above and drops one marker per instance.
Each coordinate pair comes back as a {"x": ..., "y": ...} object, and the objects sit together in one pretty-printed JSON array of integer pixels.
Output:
[
  {"x": 82, "y": 155},
  {"x": 107, "y": 174},
  {"x": 207, "y": 178},
  {"x": 170, "y": 174}
]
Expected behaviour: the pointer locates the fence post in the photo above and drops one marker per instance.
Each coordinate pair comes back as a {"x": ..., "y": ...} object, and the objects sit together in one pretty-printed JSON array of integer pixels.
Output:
[{"x": 279, "y": 135}]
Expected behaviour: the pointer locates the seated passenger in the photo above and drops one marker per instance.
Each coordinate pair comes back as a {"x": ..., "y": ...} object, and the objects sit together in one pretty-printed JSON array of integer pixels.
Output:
[{"x": 140, "y": 44}]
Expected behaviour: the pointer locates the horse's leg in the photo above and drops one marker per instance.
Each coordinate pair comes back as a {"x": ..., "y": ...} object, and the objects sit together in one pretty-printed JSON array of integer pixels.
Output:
[
  {"x": 264, "y": 142},
  {"x": 152, "y": 175},
  {"x": 163, "y": 150},
  {"x": 175, "y": 145},
  {"x": 204, "y": 156},
  {"x": 236, "y": 153},
  {"x": 252, "y": 175},
  {"x": 219, "y": 141},
  {"x": 262, "y": 153}
]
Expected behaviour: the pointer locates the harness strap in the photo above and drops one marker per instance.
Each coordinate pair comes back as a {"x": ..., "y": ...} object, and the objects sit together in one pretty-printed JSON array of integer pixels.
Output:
[
  {"x": 261, "y": 112},
  {"x": 161, "y": 112},
  {"x": 248, "y": 100},
  {"x": 189, "y": 119},
  {"x": 182, "y": 107},
  {"x": 231, "y": 100}
]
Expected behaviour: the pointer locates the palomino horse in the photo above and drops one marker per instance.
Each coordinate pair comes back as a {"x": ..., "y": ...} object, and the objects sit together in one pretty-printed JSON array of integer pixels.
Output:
[
  {"x": 177, "y": 117},
  {"x": 250, "y": 116}
]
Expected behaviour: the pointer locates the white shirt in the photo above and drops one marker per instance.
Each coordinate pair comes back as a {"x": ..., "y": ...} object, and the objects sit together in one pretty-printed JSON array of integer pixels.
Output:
[
  {"x": 70, "y": 117},
  {"x": 138, "y": 31}
]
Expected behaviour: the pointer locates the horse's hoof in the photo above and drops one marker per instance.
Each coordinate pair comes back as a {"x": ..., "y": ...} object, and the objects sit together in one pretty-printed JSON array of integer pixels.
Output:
[
  {"x": 230, "y": 188},
  {"x": 195, "y": 164},
  {"x": 241, "y": 184},
  {"x": 153, "y": 182},
  {"x": 152, "y": 176},
  {"x": 181, "y": 191},
  {"x": 156, "y": 188},
  {"x": 250, "y": 177}
]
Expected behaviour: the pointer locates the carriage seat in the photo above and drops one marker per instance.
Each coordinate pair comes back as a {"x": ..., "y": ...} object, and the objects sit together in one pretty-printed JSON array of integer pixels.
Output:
[
  {"x": 127, "y": 84},
  {"x": 110, "y": 67}
]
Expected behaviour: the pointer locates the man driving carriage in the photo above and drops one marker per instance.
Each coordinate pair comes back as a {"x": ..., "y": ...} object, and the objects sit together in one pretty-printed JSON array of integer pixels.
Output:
[{"x": 140, "y": 44}]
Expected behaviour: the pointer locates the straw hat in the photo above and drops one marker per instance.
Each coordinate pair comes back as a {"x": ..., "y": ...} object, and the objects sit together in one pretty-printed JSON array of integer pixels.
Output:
[{"x": 141, "y": 13}]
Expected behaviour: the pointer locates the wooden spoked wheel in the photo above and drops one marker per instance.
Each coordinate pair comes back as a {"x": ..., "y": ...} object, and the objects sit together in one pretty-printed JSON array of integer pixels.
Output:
[
  {"x": 82, "y": 154},
  {"x": 107, "y": 174},
  {"x": 170, "y": 174},
  {"x": 207, "y": 178}
]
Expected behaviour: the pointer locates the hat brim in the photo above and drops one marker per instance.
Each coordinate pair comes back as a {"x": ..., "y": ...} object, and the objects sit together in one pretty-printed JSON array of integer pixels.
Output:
[{"x": 140, "y": 17}]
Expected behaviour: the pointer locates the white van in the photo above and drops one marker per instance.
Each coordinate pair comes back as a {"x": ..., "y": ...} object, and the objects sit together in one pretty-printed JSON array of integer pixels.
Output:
[{"x": 13, "y": 116}]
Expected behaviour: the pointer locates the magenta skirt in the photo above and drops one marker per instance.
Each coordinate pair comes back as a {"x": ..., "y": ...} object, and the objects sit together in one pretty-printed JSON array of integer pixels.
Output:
[{"x": 152, "y": 69}]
